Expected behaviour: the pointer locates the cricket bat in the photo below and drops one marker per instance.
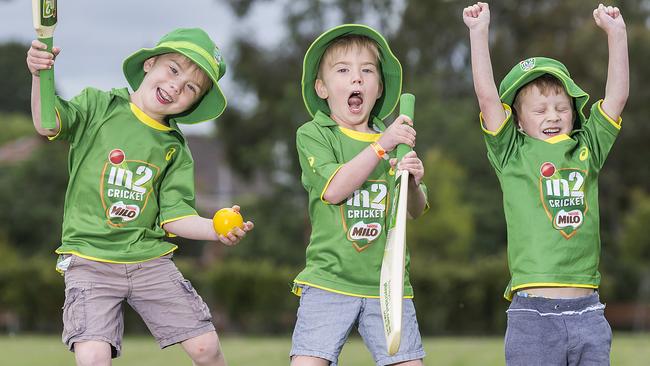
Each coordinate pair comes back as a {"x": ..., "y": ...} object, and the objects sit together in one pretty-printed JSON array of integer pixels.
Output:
[
  {"x": 391, "y": 283},
  {"x": 44, "y": 18}
]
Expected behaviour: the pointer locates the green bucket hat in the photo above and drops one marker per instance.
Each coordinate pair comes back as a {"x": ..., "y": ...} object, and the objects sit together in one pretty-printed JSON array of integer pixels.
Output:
[
  {"x": 391, "y": 70},
  {"x": 532, "y": 68},
  {"x": 196, "y": 45}
]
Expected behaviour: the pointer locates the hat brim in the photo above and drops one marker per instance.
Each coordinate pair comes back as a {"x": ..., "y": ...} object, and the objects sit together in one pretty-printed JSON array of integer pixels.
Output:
[
  {"x": 211, "y": 105},
  {"x": 391, "y": 70},
  {"x": 580, "y": 97}
]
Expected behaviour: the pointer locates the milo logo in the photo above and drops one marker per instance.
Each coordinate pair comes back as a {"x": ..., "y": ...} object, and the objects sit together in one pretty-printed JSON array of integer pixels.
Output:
[
  {"x": 565, "y": 219},
  {"x": 563, "y": 196},
  {"x": 363, "y": 232},
  {"x": 124, "y": 212}
]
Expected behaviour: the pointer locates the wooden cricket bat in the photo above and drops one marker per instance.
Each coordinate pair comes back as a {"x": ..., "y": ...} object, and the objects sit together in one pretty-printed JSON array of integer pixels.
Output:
[
  {"x": 44, "y": 18},
  {"x": 391, "y": 283}
]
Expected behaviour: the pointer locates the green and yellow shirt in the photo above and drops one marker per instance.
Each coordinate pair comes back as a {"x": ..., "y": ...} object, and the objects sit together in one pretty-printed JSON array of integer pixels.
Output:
[
  {"x": 129, "y": 174},
  {"x": 347, "y": 240},
  {"x": 550, "y": 198}
]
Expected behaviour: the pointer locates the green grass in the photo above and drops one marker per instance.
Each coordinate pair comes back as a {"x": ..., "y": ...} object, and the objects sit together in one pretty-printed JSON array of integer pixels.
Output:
[{"x": 627, "y": 349}]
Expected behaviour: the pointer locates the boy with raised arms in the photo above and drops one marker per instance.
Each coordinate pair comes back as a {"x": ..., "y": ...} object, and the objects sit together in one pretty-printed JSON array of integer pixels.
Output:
[{"x": 547, "y": 157}]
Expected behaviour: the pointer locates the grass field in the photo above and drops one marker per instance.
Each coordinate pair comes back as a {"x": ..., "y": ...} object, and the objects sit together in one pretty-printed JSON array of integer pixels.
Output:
[{"x": 627, "y": 349}]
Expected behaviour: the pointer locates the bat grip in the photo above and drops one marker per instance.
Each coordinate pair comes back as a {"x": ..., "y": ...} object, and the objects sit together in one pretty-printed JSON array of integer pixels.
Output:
[
  {"x": 406, "y": 107},
  {"x": 48, "y": 117}
]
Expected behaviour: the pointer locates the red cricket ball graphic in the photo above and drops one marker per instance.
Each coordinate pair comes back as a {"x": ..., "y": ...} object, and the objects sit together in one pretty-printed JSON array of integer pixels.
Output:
[
  {"x": 116, "y": 156},
  {"x": 547, "y": 170}
]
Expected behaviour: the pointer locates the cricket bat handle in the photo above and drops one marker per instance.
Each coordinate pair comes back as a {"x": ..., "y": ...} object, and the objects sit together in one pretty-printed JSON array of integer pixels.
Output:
[
  {"x": 48, "y": 117},
  {"x": 406, "y": 107}
]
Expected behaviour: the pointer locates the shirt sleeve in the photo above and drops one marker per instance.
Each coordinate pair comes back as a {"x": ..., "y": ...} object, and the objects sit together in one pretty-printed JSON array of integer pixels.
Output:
[
  {"x": 75, "y": 114},
  {"x": 601, "y": 132},
  {"x": 176, "y": 197},
  {"x": 317, "y": 159},
  {"x": 500, "y": 143}
]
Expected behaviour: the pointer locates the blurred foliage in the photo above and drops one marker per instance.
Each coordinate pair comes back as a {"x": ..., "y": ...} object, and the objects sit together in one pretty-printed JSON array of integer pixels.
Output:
[
  {"x": 14, "y": 126},
  {"x": 458, "y": 248},
  {"x": 16, "y": 80},
  {"x": 31, "y": 194}
]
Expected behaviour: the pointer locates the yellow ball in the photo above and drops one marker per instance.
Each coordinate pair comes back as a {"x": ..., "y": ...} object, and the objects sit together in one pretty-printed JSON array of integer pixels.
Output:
[{"x": 225, "y": 220}]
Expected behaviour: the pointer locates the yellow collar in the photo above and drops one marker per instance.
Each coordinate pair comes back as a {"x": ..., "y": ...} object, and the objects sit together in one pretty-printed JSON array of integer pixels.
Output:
[
  {"x": 361, "y": 136},
  {"x": 144, "y": 118}
]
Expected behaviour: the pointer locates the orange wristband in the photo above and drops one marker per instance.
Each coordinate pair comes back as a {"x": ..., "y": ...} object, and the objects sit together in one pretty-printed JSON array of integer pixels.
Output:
[{"x": 381, "y": 153}]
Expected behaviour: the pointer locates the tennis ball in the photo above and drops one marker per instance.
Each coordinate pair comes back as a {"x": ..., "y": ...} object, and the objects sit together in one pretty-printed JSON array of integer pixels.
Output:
[{"x": 225, "y": 220}]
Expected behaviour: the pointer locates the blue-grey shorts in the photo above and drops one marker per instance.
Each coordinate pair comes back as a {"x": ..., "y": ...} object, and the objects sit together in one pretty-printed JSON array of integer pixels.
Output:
[
  {"x": 543, "y": 331},
  {"x": 325, "y": 320}
]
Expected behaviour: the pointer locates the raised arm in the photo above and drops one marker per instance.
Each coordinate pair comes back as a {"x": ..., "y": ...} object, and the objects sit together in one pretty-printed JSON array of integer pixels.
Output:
[
  {"x": 477, "y": 19},
  {"x": 618, "y": 73},
  {"x": 39, "y": 59}
]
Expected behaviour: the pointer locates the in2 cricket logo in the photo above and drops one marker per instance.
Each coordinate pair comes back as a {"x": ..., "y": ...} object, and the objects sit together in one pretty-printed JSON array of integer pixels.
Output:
[
  {"x": 364, "y": 214},
  {"x": 563, "y": 196},
  {"x": 125, "y": 187}
]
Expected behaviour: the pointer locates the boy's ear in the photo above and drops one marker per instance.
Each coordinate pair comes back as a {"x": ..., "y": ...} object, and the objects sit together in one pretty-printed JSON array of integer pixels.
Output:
[
  {"x": 320, "y": 88},
  {"x": 148, "y": 63},
  {"x": 380, "y": 90}
]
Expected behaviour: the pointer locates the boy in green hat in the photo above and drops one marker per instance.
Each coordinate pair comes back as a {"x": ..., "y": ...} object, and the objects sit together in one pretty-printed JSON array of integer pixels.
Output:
[
  {"x": 351, "y": 81},
  {"x": 547, "y": 157},
  {"x": 131, "y": 185}
]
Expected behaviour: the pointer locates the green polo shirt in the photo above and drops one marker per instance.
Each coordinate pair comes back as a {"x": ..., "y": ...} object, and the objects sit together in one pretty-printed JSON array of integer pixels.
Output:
[
  {"x": 347, "y": 241},
  {"x": 129, "y": 174}
]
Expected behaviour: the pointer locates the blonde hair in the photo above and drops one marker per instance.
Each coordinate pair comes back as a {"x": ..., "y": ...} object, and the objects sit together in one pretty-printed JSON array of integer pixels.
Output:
[
  {"x": 546, "y": 83},
  {"x": 346, "y": 43}
]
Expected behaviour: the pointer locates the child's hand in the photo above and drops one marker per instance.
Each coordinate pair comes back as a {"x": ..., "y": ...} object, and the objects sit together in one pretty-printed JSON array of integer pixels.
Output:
[
  {"x": 236, "y": 234},
  {"x": 411, "y": 163},
  {"x": 39, "y": 59},
  {"x": 608, "y": 18},
  {"x": 399, "y": 132},
  {"x": 477, "y": 16}
]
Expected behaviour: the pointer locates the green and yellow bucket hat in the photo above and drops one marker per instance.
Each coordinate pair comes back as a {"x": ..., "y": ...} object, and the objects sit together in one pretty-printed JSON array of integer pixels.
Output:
[
  {"x": 196, "y": 45},
  {"x": 391, "y": 70},
  {"x": 532, "y": 68}
]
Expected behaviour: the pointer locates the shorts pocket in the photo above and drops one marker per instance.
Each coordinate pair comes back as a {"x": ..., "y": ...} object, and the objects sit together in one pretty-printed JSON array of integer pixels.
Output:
[
  {"x": 199, "y": 306},
  {"x": 74, "y": 309}
]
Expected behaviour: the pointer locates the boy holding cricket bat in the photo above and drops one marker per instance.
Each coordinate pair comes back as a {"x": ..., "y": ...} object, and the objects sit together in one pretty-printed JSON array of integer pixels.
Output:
[
  {"x": 351, "y": 81},
  {"x": 547, "y": 157},
  {"x": 132, "y": 184}
]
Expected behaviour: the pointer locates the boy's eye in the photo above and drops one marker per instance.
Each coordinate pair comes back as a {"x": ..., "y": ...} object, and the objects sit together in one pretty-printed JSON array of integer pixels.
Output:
[
  {"x": 368, "y": 70},
  {"x": 192, "y": 88},
  {"x": 173, "y": 70},
  {"x": 342, "y": 69}
]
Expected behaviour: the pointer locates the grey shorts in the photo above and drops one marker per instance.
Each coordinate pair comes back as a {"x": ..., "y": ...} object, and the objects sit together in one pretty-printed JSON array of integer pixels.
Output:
[
  {"x": 544, "y": 331},
  {"x": 325, "y": 320},
  {"x": 155, "y": 289}
]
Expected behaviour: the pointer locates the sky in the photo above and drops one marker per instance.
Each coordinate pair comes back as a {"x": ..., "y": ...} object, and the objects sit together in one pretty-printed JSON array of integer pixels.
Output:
[{"x": 96, "y": 39}]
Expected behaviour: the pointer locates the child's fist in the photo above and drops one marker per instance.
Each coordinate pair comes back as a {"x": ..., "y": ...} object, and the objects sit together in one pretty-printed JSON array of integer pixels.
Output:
[
  {"x": 608, "y": 18},
  {"x": 477, "y": 15},
  {"x": 40, "y": 59}
]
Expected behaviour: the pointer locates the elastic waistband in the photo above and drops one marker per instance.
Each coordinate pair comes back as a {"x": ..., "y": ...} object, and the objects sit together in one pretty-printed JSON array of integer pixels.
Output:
[{"x": 545, "y": 306}]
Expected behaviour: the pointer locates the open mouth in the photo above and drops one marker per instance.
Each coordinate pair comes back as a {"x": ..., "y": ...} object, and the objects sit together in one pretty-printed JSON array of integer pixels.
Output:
[
  {"x": 355, "y": 101},
  {"x": 163, "y": 97},
  {"x": 551, "y": 131}
]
